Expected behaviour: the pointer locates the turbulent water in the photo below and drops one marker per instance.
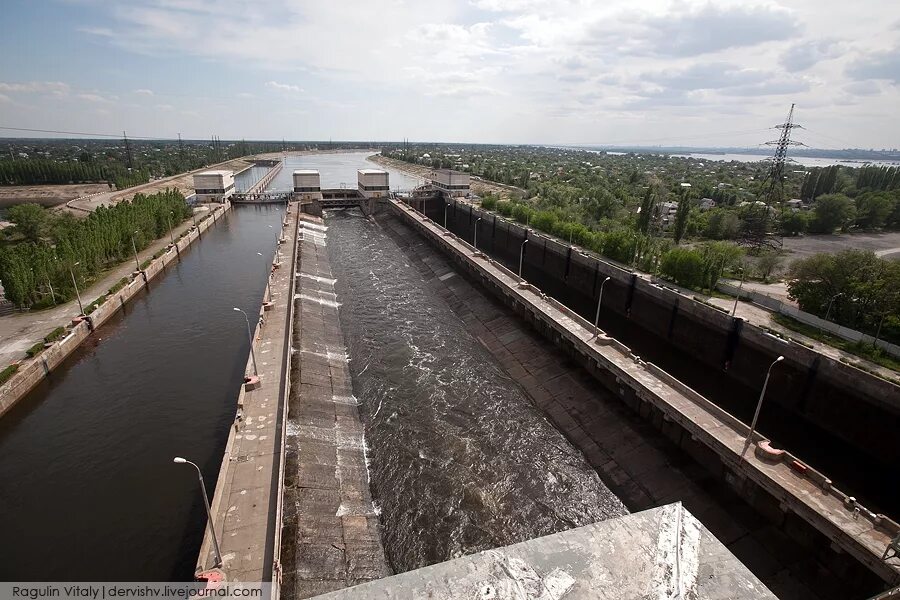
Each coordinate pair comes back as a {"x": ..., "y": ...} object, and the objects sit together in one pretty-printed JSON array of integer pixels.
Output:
[{"x": 461, "y": 460}]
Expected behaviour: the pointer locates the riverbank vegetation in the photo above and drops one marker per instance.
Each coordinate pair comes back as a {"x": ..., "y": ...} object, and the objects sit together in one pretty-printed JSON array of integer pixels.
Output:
[{"x": 44, "y": 250}]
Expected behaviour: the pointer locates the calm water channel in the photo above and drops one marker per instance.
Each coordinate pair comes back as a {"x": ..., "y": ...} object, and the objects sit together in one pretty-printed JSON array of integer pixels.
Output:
[
  {"x": 461, "y": 460},
  {"x": 89, "y": 491}
]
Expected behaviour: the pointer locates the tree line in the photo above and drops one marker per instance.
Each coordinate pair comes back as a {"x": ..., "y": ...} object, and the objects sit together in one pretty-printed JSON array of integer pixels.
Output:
[
  {"x": 44, "y": 250},
  {"x": 39, "y": 171}
]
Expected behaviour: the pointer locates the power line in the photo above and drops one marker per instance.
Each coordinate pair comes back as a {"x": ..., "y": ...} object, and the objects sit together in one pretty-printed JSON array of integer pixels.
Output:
[{"x": 92, "y": 134}]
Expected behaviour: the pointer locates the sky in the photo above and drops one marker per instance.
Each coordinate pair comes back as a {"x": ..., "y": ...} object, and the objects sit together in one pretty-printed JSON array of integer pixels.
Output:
[{"x": 617, "y": 72}]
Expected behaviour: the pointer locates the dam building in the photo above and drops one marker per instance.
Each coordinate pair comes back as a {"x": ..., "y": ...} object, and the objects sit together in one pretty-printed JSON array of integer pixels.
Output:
[
  {"x": 214, "y": 186},
  {"x": 307, "y": 185},
  {"x": 452, "y": 183},
  {"x": 373, "y": 183}
]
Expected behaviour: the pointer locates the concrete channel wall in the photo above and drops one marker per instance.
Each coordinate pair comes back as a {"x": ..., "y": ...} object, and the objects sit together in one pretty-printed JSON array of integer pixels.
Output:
[
  {"x": 815, "y": 390},
  {"x": 247, "y": 502},
  {"x": 31, "y": 372},
  {"x": 773, "y": 482}
]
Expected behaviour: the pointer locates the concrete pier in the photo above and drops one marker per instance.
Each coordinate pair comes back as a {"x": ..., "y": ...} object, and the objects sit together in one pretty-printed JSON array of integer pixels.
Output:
[
  {"x": 331, "y": 537},
  {"x": 783, "y": 487},
  {"x": 246, "y": 503},
  {"x": 660, "y": 553}
]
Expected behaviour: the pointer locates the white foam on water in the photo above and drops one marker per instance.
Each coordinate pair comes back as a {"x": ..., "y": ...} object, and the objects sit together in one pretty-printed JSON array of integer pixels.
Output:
[
  {"x": 318, "y": 279},
  {"x": 322, "y": 301}
]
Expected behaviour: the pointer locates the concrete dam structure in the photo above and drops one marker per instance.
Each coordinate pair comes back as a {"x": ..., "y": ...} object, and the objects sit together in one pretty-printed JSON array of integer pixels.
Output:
[
  {"x": 839, "y": 419},
  {"x": 402, "y": 414}
]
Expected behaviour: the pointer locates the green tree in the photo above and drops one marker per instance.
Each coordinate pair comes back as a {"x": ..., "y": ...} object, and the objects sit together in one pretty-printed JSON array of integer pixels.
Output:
[
  {"x": 873, "y": 209},
  {"x": 832, "y": 211},
  {"x": 766, "y": 264},
  {"x": 794, "y": 222},
  {"x": 721, "y": 224},
  {"x": 29, "y": 219}
]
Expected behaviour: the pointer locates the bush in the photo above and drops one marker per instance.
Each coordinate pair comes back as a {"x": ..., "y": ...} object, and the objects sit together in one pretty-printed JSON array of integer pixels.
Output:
[
  {"x": 794, "y": 223},
  {"x": 55, "y": 334},
  {"x": 94, "y": 305},
  {"x": 119, "y": 285},
  {"x": 489, "y": 202},
  {"x": 683, "y": 266},
  {"x": 35, "y": 350},
  {"x": 6, "y": 373}
]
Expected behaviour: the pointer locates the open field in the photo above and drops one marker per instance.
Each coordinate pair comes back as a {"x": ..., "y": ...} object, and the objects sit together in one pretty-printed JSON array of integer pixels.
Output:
[
  {"x": 47, "y": 195},
  {"x": 885, "y": 244}
]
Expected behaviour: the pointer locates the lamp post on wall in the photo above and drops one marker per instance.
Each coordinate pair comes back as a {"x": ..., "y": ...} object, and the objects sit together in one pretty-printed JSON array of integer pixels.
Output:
[
  {"x": 137, "y": 264},
  {"x": 830, "y": 302},
  {"x": 209, "y": 520},
  {"x": 599, "y": 302},
  {"x": 446, "y": 206},
  {"x": 250, "y": 337},
  {"x": 75, "y": 283},
  {"x": 476, "y": 232},
  {"x": 738, "y": 296},
  {"x": 522, "y": 256},
  {"x": 171, "y": 231},
  {"x": 759, "y": 403}
]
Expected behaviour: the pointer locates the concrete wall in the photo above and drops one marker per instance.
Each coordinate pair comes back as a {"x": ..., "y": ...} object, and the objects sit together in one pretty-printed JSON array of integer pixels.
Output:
[
  {"x": 31, "y": 372},
  {"x": 804, "y": 317},
  {"x": 839, "y": 418},
  {"x": 818, "y": 518}
]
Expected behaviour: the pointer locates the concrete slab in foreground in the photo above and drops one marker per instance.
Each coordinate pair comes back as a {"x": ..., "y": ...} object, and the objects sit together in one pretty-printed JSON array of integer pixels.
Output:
[{"x": 661, "y": 554}]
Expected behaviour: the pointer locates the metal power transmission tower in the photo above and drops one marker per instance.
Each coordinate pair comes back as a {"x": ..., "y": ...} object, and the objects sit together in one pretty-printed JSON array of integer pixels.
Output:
[
  {"x": 774, "y": 181},
  {"x": 761, "y": 223},
  {"x": 129, "y": 159}
]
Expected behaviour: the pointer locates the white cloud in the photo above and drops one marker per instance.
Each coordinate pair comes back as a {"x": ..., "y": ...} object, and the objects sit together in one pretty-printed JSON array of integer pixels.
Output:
[
  {"x": 284, "y": 87},
  {"x": 504, "y": 70},
  {"x": 35, "y": 87}
]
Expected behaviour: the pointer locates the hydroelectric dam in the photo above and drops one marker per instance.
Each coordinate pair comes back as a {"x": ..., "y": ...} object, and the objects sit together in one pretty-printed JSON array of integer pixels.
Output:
[{"x": 417, "y": 418}]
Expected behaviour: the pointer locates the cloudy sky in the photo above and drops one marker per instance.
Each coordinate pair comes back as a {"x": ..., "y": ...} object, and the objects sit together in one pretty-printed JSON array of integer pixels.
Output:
[{"x": 501, "y": 71}]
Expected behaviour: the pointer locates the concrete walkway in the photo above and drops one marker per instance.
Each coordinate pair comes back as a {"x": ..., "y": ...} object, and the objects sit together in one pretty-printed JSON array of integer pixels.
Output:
[
  {"x": 245, "y": 500},
  {"x": 331, "y": 537},
  {"x": 21, "y": 330}
]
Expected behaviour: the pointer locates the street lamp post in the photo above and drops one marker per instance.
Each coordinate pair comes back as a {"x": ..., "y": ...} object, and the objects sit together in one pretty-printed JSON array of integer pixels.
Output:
[
  {"x": 209, "y": 518},
  {"x": 75, "y": 283},
  {"x": 137, "y": 263},
  {"x": 599, "y": 302},
  {"x": 738, "y": 297},
  {"x": 476, "y": 232},
  {"x": 762, "y": 395},
  {"x": 522, "y": 256},
  {"x": 250, "y": 337},
  {"x": 830, "y": 302},
  {"x": 446, "y": 206},
  {"x": 171, "y": 231}
]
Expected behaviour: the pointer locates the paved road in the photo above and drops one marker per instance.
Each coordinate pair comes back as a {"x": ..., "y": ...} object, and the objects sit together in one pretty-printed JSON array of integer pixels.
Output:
[
  {"x": 758, "y": 315},
  {"x": 20, "y": 331}
]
